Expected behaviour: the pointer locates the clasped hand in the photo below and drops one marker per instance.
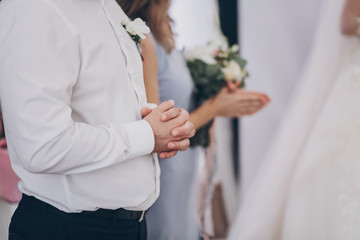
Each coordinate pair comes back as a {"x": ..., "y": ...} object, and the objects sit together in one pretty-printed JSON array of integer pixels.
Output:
[
  {"x": 234, "y": 102},
  {"x": 171, "y": 128}
]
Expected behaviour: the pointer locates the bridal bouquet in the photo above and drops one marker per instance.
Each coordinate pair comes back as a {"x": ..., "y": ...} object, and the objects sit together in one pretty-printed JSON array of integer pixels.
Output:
[{"x": 211, "y": 67}]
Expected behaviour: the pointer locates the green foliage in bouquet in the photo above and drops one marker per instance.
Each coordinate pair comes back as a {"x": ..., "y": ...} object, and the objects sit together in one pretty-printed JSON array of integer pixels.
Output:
[
  {"x": 210, "y": 75},
  {"x": 208, "y": 78},
  {"x": 202, "y": 136}
]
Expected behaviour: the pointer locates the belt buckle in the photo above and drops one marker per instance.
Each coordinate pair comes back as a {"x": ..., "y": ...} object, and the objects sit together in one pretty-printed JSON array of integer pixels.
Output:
[{"x": 142, "y": 216}]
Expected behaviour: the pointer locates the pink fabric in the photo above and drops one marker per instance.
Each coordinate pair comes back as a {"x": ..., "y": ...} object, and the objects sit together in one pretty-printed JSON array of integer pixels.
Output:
[{"x": 8, "y": 179}]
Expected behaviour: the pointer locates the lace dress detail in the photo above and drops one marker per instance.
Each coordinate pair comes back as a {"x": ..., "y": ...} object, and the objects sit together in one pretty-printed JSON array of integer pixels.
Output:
[{"x": 325, "y": 195}]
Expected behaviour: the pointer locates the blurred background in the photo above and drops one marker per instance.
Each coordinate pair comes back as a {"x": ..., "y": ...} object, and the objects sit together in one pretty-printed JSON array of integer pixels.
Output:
[{"x": 275, "y": 37}]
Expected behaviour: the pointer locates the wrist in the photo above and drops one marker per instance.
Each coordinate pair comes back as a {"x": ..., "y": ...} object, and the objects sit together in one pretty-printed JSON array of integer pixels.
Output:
[{"x": 212, "y": 108}]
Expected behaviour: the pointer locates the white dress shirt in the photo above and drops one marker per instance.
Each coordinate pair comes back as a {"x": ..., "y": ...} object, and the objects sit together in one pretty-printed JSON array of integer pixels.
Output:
[{"x": 71, "y": 88}]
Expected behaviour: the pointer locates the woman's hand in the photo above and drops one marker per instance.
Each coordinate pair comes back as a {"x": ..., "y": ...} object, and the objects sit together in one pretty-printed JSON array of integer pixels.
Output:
[
  {"x": 232, "y": 86},
  {"x": 350, "y": 23},
  {"x": 238, "y": 102}
]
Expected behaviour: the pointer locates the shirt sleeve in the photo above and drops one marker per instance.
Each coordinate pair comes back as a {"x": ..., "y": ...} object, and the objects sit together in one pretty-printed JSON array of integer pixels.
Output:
[{"x": 40, "y": 61}]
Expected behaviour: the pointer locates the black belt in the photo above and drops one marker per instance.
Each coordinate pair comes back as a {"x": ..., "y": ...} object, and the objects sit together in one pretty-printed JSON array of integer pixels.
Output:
[{"x": 120, "y": 213}]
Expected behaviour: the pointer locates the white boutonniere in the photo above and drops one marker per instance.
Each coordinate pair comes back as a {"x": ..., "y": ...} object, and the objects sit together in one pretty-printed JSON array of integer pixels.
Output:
[{"x": 136, "y": 29}]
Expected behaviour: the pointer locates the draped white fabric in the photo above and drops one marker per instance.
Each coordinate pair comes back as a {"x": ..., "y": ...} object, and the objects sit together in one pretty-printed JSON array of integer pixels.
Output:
[
  {"x": 275, "y": 38},
  {"x": 307, "y": 186}
]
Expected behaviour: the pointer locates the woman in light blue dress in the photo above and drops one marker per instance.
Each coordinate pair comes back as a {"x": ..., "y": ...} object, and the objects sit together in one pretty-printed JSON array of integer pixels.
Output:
[
  {"x": 174, "y": 214},
  {"x": 175, "y": 209}
]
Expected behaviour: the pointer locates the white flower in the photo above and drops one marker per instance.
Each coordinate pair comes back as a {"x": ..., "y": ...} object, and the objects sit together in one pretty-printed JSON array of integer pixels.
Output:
[
  {"x": 205, "y": 54},
  {"x": 224, "y": 54},
  {"x": 208, "y": 59},
  {"x": 235, "y": 48},
  {"x": 232, "y": 72},
  {"x": 137, "y": 28},
  {"x": 221, "y": 42}
]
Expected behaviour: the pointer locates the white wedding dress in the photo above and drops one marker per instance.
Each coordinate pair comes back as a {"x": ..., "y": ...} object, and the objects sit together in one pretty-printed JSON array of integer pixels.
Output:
[{"x": 309, "y": 185}]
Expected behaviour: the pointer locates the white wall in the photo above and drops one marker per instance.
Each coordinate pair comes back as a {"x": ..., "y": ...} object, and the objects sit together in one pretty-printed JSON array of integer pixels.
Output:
[
  {"x": 193, "y": 24},
  {"x": 275, "y": 39}
]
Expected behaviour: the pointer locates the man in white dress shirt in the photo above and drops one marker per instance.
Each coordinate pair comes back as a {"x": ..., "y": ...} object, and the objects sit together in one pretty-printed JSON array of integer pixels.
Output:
[{"x": 72, "y": 91}]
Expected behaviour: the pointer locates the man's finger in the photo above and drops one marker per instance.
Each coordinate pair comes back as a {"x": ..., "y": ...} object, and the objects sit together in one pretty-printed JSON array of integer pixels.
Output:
[
  {"x": 180, "y": 145},
  {"x": 164, "y": 106},
  {"x": 145, "y": 111},
  {"x": 167, "y": 155},
  {"x": 170, "y": 114},
  {"x": 185, "y": 131},
  {"x": 181, "y": 119}
]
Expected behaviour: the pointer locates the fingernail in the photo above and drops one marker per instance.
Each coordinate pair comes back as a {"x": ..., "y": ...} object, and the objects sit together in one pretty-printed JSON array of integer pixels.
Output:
[
  {"x": 163, "y": 117},
  {"x": 172, "y": 145},
  {"x": 175, "y": 132}
]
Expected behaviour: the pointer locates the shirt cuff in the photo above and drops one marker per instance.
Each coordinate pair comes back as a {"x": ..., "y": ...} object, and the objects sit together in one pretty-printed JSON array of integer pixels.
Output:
[
  {"x": 141, "y": 138},
  {"x": 151, "y": 105}
]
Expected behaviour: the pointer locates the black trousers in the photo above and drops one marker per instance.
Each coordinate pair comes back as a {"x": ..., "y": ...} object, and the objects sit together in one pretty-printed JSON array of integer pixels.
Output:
[{"x": 36, "y": 220}]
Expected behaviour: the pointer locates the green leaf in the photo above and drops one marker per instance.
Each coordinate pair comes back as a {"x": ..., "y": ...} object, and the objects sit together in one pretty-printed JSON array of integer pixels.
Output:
[
  {"x": 242, "y": 62},
  {"x": 202, "y": 136},
  {"x": 211, "y": 70}
]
